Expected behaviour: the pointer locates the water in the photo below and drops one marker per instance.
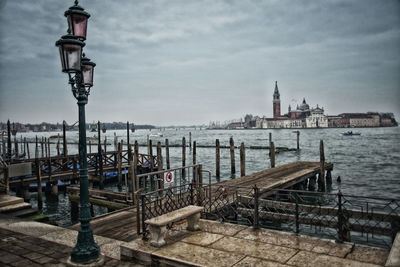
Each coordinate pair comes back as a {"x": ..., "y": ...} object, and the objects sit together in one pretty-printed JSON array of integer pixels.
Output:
[{"x": 367, "y": 164}]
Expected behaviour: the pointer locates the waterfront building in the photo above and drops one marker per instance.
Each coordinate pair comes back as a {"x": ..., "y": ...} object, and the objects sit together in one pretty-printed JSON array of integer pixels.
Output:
[{"x": 317, "y": 119}]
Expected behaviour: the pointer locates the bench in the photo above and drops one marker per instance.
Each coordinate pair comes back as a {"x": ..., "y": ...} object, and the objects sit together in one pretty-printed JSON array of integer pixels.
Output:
[{"x": 157, "y": 225}]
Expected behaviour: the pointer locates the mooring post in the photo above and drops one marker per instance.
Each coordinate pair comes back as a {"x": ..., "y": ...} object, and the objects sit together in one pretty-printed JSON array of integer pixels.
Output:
[
  {"x": 311, "y": 183},
  {"x": 27, "y": 150},
  {"x": 58, "y": 145},
  {"x": 217, "y": 159},
  {"x": 90, "y": 147},
  {"x": 105, "y": 145},
  {"x": 100, "y": 157},
  {"x": 48, "y": 147},
  {"x": 160, "y": 166},
  {"x": 167, "y": 154},
  {"x": 270, "y": 138},
  {"x": 119, "y": 166},
  {"x": 232, "y": 151},
  {"x": 9, "y": 152},
  {"x": 321, "y": 180},
  {"x": 16, "y": 147},
  {"x": 65, "y": 150},
  {"x": 272, "y": 149},
  {"x": 194, "y": 158},
  {"x": 328, "y": 177},
  {"x": 242, "y": 160},
  {"x": 298, "y": 139},
  {"x": 183, "y": 158},
  {"x": 151, "y": 164},
  {"x": 135, "y": 166},
  {"x": 41, "y": 146}
]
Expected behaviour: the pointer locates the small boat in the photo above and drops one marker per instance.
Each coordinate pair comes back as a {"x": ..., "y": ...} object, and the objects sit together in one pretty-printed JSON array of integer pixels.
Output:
[
  {"x": 350, "y": 133},
  {"x": 156, "y": 135},
  {"x": 104, "y": 129}
]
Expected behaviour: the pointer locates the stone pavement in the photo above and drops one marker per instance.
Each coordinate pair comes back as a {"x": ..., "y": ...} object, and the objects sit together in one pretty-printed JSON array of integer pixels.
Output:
[
  {"x": 25, "y": 243},
  {"x": 219, "y": 244}
]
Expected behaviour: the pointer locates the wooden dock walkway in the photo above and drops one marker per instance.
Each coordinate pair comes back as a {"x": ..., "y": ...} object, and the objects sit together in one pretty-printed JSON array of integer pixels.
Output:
[{"x": 122, "y": 224}]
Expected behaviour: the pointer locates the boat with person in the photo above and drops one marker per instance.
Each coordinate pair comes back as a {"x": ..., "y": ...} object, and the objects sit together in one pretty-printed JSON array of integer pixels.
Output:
[{"x": 350, "y": 133}]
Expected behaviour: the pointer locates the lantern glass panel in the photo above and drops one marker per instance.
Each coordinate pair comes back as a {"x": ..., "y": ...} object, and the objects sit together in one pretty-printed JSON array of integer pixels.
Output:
[
  {"x": 78, "y": 25},
  {"x": 72, "y": 57},
  {"x": 62, "y": 58},
  {"x": 87, "y": 71}
]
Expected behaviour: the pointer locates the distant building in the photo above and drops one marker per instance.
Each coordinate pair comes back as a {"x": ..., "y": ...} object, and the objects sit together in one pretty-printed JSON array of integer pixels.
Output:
[
  {"x": 317, "y": 119},
  {"x": 276, "y": 102}
]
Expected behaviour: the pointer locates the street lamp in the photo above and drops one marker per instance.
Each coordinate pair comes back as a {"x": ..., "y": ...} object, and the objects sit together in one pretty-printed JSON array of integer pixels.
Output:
[{"x": 80, "y": 72}]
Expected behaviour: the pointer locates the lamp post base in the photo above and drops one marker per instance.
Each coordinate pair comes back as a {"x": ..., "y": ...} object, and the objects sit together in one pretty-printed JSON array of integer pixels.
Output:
[{"x": 97, "y": 262}]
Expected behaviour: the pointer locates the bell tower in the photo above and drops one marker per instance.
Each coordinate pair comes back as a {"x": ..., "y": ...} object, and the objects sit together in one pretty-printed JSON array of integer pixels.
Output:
[{"x": 276, "y": 102}]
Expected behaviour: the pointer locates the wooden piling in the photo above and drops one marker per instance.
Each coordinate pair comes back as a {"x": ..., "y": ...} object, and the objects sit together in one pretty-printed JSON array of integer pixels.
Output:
[
  {"x": 27, "y": 150},
  {"x": 270, "y": 138},
  {"x": 41, "y": 146},
  {"x": 65, "y": 149},
  {"x": 217, "y": 159},
  {"x": 99, "y": 157},
  {"x": 167, "y": 154},
  {"x": 135, "y": 183},
  {"x": 120, "y": 165},
  {"x": 194, "y": 158},
  {"x": 321, "y": 180},
  {"x": 58, "y": 145},
  {"x": 298, "y": 140},
  {"x": 190, "y": 139},
  {"x": 105, "y": 144},
  {"x": 183, "y": 157},
  {"x": 16, "y": 147},
  {"x": 232, "y": 150},
  {"x": 328, "y": 177},
  {"x": 272, "y": 150},
  {"x": 242, "y": 160},
  {"x": 9, "y": 152},
  {"x": 48, "y": 148},
  {"x": 39, "y": 183},
  {"x": 24, "y": 142},
  {"x": 311, "y": 183},
  {"x": 159, "y": 165}
]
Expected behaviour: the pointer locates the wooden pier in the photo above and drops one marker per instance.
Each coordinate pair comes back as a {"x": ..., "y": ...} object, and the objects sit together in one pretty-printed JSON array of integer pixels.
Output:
[{"x": 122, "y": 225}]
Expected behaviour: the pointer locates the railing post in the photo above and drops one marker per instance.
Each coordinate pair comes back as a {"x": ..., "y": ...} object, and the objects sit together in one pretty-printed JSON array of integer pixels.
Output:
[
  {"x": 137, "y": 200},
  {"x": 343, "y": 227},
  {"x": 256, "y": 215},
  {"x": 143, "y": 200},
  {"x": 191, "y": 194},
  {"x": 297, "y": 213}
]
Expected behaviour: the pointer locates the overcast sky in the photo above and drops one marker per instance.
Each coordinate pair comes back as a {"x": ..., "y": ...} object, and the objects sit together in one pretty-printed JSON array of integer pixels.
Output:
[{"x": 190, "y": 61}]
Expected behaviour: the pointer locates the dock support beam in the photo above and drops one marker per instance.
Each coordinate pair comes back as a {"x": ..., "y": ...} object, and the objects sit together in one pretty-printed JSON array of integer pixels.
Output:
[
  {"x": 321, "y": 180},
  {"x": 217, "y": 159},
  {"x": 232, "y": 150}
]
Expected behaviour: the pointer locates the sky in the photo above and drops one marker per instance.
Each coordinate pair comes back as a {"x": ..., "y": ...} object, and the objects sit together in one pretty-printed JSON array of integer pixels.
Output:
[{"x": 186, "y": 62}]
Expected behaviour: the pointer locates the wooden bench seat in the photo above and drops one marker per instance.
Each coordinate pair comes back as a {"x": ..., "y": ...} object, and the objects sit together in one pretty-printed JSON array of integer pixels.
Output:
[{"x": 157, "y": 225}]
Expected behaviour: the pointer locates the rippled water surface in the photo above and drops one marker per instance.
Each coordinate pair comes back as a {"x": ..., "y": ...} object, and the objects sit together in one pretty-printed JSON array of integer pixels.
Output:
[{"x": 368, "y": 164}]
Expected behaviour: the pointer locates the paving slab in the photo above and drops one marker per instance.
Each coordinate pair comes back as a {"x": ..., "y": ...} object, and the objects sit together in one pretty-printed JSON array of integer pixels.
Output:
[
  {"x": 369, "y": 254},
  {"x": 202, "y": 238},
  {"x": 32, "y": 228},
  {"x": 197, "y": 255},
  {"x": 6, "y": 200},
  {"x": 221, "y": 228},
  {"x": 254, "y": 249},
  {"x": 254, "y": 262}
]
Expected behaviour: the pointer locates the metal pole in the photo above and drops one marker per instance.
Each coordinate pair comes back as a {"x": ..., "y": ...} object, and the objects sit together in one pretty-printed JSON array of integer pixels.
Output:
[
  {"x": 85, "y": 250},
  {"x": 256, "y": 224}
]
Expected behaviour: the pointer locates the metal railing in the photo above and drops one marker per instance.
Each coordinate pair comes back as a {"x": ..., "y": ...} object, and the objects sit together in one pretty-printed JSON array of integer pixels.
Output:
[{"x": 338, "y": 216}]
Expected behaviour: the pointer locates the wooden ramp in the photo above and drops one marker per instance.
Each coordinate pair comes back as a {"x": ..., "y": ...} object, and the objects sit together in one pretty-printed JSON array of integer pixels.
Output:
[
  {"x": 121, "y": 225},
  {"x": 281, "y": 177}
]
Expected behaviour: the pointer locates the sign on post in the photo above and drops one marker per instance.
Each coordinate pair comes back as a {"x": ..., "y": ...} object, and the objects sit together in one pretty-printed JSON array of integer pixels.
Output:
[{"x": 169, "y": 179}]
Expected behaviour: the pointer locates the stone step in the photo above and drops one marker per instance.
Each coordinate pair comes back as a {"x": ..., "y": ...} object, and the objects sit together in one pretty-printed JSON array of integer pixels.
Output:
[
  {"x": 15, "y": 207},
  {"x": 6, "y": 200},
  {"x": 23, "y": 213}
]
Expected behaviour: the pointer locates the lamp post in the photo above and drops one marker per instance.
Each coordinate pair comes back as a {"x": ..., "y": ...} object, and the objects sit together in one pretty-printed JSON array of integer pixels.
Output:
[{"x": 80, "y": 72}]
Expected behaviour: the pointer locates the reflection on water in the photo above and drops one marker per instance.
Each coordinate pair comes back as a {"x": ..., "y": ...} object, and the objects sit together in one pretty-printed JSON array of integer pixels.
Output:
[{"x": 368, "y": 164}]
